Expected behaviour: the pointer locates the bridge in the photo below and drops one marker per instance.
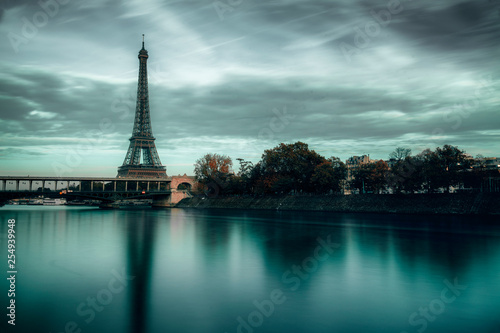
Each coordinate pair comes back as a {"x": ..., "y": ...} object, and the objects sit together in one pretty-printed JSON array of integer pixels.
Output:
[{"x": 164, "y": 192}]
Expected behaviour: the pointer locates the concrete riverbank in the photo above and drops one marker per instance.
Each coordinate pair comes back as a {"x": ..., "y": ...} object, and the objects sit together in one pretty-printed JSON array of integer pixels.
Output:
[{"x": 462, "y": 204}]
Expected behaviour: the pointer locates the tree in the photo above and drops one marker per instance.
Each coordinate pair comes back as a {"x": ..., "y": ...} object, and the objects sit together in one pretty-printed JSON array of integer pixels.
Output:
[
  {"x": 370, "y": 177},
  {"x": 323, "y": 178},
  {"x": 378, "y": 176},
  {"x": 400, "y": 154},
  {"x": 212, "y": 171},
  {"x": 340, "y": 173},
  {"x": 450, "y": 164},
  {"x": 241, "y": 183},
  {"x": 339, "y": 167},
  {"x": 288, "y": 167},
  {"x": 360, "y": 178},
  {"x": 328, "y": 176},
  {"x": 428, "y": 172},
  {"x": 441, "y": 168},
  {"x": 399, "y": 160},
  {"x": 245, "y": 168},
  {"x": 406, "y": 175}
]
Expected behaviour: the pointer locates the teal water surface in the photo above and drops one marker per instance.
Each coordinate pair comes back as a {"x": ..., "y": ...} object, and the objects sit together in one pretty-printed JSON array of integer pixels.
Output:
[{"x": 82, "y": 269}]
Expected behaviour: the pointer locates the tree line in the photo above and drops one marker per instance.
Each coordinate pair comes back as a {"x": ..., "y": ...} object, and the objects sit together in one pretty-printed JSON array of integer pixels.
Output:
[{"x": 294, "y": 168}]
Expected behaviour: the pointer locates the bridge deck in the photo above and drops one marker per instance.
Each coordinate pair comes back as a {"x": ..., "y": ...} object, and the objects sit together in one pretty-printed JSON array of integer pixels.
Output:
[{"x": 164, "y": 191}]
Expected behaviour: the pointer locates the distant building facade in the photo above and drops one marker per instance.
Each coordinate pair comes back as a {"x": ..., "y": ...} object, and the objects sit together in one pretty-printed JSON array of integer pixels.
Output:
[
  {"x": 487, "y": 163},
  {"x": 354, "y": 162}
]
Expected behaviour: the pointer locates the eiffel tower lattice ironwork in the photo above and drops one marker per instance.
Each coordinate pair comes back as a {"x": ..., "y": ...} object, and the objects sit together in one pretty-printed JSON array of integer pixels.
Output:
[{"x": 142, "y": 140}]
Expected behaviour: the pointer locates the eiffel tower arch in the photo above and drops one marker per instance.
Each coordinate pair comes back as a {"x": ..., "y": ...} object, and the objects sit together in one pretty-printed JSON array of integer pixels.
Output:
[{"x": 142, "y": 142}]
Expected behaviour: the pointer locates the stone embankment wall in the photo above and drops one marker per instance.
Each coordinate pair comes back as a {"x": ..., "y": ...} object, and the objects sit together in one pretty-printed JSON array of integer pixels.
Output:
[{"x": 476, "y": 203}]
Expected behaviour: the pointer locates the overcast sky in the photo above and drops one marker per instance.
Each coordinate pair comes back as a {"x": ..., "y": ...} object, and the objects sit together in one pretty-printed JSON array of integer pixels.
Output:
[{"x": 236, "y": 77}]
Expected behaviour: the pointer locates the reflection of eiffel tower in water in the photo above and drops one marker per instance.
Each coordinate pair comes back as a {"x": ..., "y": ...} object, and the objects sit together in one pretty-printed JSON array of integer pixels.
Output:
[
  {"x": 140, "y": 244},
  {"x": 142, "y": 140}
]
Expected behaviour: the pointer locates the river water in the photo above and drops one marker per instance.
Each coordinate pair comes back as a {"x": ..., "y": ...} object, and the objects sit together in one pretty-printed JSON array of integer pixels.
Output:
[{"x": 81, "y": 269}]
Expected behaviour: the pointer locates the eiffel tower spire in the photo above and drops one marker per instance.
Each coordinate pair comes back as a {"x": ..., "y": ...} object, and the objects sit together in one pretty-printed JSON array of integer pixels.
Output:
[{"x": 142, "y": 140}]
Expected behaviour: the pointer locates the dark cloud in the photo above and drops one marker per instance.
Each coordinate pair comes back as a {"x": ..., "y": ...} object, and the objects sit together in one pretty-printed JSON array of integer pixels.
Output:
[
  {"x": 219, "y": 80},
  {"x": 464, "y": 25}
]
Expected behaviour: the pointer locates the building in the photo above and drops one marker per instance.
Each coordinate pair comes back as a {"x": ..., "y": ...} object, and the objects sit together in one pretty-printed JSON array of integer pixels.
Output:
[
  {"x": 354, "y": 162},
  {"x": 487, "y": 163}
]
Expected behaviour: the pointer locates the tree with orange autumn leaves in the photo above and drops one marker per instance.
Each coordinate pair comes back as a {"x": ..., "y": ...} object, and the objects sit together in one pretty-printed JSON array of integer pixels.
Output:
[{"x": 212, "y": 172}]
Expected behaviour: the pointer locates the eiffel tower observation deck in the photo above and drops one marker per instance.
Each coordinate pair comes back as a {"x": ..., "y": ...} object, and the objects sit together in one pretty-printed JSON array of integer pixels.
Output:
[{"x": 142, "y": 142}]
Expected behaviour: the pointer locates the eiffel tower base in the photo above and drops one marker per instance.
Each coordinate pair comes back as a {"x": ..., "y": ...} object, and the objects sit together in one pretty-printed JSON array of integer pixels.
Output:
[{"x": 135, "y": 171}]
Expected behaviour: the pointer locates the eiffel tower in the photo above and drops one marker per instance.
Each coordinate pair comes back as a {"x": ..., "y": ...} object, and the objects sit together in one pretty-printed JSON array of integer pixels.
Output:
[{"x": 142, "y": 139}]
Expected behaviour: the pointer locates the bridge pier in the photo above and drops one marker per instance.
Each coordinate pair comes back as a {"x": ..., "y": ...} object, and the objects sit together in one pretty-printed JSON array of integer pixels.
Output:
[
  {"x": 170, "y": 200},
  {"x": 163, "y": 201}
]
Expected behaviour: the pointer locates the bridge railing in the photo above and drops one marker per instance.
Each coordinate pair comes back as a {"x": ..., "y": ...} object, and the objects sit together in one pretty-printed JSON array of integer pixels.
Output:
[{"x": 8, "y": 184}]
